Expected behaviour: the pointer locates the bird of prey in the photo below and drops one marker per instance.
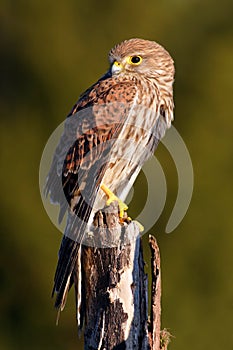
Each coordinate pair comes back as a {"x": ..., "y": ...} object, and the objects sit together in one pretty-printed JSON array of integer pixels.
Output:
[{"x": 111, "y": 131}]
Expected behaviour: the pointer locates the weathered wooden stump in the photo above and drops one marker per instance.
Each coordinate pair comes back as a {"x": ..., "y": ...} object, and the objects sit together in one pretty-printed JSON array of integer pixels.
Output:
[{"x": 115, "y": 287}]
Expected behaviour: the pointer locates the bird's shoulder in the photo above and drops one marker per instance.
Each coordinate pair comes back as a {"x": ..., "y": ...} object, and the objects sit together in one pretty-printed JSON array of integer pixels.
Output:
[{"x": 105, "y": 91}]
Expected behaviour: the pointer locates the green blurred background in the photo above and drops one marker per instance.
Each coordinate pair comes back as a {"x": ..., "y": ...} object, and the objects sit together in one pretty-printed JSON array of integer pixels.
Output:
[{"x": 50, "y": 52}]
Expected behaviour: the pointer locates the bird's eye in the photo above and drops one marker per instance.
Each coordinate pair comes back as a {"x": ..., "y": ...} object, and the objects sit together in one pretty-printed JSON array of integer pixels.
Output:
[{"x": 136, "y": 60}]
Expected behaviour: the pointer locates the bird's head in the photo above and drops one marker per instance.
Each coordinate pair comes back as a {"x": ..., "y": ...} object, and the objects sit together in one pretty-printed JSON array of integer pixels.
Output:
[{"x": 142, "y": 57}]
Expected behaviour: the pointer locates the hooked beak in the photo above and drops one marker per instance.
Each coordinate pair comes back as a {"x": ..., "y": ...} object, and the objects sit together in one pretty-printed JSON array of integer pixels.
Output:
[{"x": 116, "y": 67}]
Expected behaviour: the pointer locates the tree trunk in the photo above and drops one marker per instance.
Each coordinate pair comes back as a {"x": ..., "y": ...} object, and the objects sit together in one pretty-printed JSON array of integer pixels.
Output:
[{"x": 115, "y": 287}]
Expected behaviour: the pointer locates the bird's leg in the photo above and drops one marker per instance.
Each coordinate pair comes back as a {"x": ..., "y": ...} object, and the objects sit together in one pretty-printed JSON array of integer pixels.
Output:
[
  {"x": 112, "y": 197},
  {"x": 122, "y": 206}
]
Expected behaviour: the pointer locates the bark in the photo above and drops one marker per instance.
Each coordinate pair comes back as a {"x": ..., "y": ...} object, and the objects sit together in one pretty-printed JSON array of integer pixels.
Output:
[
  {"x": 154, "y": 326},
  {"x": 115, "y": 287}
]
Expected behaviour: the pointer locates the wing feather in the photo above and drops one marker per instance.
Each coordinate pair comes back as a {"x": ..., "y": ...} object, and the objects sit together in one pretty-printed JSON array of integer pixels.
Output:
[{"x": 79, "y": 165}]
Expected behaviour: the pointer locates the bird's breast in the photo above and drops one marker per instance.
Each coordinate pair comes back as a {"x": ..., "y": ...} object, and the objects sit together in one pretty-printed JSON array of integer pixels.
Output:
[{"x": 127, "y": 153}]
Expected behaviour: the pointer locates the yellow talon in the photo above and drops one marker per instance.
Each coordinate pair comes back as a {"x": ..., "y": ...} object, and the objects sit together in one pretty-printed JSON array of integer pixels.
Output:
[{"x": 112, "y": 197}]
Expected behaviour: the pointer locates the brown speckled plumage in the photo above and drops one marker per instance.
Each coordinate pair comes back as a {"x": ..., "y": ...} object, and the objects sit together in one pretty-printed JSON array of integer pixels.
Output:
[{"x": 122, "y": 118}]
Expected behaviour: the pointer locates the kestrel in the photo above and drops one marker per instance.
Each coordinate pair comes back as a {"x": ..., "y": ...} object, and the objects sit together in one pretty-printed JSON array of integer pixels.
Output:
[{"x": 111, "y": 131}]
